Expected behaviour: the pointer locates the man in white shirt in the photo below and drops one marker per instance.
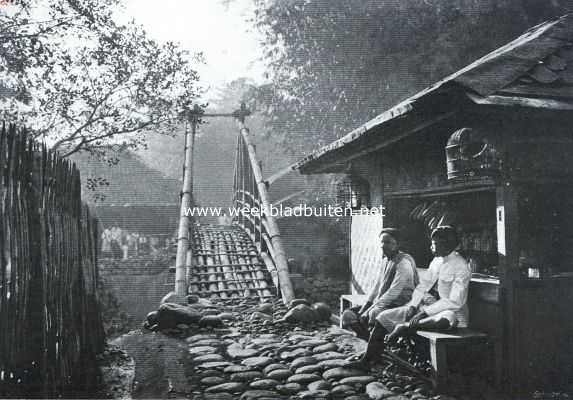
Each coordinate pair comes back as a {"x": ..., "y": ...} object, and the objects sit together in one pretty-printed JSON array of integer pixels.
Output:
[
  {"x": 451, "y": 274},
  {"x": 394, "y": 287}
]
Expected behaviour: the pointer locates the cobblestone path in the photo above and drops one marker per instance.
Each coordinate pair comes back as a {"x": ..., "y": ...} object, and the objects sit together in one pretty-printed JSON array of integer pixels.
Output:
[{"x": 258, "y": 355}]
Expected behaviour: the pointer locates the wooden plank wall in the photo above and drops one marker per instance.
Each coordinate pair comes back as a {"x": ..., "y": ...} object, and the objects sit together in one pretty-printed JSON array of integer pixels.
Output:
[{"x": 51, "y": 324}]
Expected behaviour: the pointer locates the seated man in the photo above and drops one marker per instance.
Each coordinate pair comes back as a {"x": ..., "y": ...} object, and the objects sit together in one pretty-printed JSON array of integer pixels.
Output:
[
  {"x": 396, "y": 281},
  {"x": 450, "y": 272}
]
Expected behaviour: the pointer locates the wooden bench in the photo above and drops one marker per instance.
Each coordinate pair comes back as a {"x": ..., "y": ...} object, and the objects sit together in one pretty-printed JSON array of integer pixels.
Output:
[{"x": 439, "y": 342}]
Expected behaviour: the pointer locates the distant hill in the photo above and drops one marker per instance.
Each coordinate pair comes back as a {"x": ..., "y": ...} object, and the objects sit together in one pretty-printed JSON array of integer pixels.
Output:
[{"x": 138, "y": 197}]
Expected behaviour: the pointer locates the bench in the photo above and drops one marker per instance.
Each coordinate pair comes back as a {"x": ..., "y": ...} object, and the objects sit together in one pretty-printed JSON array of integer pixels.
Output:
[{"x": 439, "y": 342}]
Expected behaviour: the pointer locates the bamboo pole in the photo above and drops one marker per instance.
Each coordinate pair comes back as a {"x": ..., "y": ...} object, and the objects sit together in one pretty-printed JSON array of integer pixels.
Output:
[
  {"x": 186, "y": 202},
  {"x": 280, "y": 260}
]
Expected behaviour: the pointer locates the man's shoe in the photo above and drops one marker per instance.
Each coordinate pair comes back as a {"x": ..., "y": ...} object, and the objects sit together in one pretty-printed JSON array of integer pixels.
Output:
[{"x": 399, "y": 330}]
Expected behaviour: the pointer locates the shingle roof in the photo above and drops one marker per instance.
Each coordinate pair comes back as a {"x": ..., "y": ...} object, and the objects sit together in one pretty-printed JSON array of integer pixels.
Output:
[{"x": 536, "y": 65}]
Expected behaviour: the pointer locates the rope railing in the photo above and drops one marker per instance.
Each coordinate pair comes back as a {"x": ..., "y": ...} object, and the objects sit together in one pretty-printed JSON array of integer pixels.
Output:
[{"x": 250, "y": 192}]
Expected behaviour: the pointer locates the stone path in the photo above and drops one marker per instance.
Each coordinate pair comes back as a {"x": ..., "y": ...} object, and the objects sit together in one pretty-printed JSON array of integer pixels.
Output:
[{"x": 259, "y": 355}]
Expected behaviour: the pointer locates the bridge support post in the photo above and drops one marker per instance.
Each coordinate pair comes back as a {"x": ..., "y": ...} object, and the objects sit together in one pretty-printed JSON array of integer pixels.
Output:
[
  {"x": 183, "y": 235},
  {"x": 280, "y": 259}
]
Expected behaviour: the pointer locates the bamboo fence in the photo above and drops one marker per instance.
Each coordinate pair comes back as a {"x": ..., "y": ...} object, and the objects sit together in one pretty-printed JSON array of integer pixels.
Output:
[{"x": 51, "y": 324}]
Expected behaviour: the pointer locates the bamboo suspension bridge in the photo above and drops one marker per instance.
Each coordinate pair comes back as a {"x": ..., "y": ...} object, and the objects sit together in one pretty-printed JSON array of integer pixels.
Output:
[{"x": 245, "y": 258}]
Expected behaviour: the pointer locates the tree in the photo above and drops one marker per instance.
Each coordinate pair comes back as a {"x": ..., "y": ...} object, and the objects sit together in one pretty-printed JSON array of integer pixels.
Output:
[
  {"x": 334, "y": 64},
  {"x": 83, "y": 82}
]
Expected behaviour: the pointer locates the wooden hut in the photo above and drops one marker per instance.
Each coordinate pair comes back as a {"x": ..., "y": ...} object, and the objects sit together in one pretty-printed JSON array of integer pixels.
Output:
[{"x": 489, "y": 149}]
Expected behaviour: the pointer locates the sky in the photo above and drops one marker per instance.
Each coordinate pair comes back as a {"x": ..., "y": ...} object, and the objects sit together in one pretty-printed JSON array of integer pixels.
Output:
[{"x": 229, "y": 43}]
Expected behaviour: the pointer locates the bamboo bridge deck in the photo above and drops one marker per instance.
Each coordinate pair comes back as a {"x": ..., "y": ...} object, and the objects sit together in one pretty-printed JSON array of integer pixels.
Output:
[{"x": 226, "y": 264}]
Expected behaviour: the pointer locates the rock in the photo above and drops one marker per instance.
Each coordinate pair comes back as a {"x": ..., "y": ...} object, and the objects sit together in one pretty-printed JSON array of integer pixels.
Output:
[
  {"x": 246, "y": 376},
  {"x": 312, "y": 395},
  {"x": 264, "y": 384},
  {"x": 310, "y": 343},
  {"x": 212, "y": 380},
  {"x": 329, "y": 364},
  {"x": 229, "y": 387},
  {"x": 289, "y": 388},
  {"x": 231, "y": 369},
  {"x": 308, "y": 369},
  {"x": 208, "y": 342},
  {"x": 226, "y": 316},
  {"x": 208, "y": 358},
  {"x": 319, "y": 385},
  {"x": 339, "y": 373},
  {"x": 296, "y": 302},
  {"x": 172, "y": 297},
  {"x": 325, "y": 348},
  {"x": 323, "y": 311},
  {"x": 269, "y": 336},
  {"x": 397, "y": 397},
  {"x": 303, "y": 378},
  {"x": 152, "y": 318},
  {"x": 257, "y": 362},
  {"x": 196, "y": 338},
  {"x": 265, "y": 308},
  {"x": 357, "y": 380},
  {"x": 350, "y": 343},
  {"x": 302, "y": 361},
  {"x": 264, "y": 341},
  {"x": 169, "y": 315},
  {"x": 343, "y": 390},
  {"x": 290, "y": 355},
  {"x": 211, "y": 320},
  {"x": 202, "y": 350},
  {"x": 258, "y": 394},
  {"x": 192, "y": 299},
  {"x": 208, "y": 373},
  {"x": 301, "y": 313},
  {"x": 298, "y": 337},
  {"x": 280, "y": 374},
  {"x": 378, "y": 391},
  {"x": 218, "y": 396},
  {"x": 235, "y": 351},
  {"x": 273, "y": 367},
  {"x": 214, "y": 365},
  {"x": 330, "y": 355},
  {"x": 260, "y": 316}
]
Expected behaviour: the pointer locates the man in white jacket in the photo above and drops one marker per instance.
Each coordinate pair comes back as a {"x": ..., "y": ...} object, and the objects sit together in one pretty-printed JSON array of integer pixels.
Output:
[{"x": 450, "y": 274}]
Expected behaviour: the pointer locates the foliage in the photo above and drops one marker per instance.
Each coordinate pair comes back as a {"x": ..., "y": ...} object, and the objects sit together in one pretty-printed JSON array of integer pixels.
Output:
[
  {"x": 83, "y": 82},
  {"x": 334, "y": 64}
]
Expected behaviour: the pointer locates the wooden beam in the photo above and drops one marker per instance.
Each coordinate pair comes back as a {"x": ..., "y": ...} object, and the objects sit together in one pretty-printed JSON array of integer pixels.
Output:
[
  {"x": 279, "y": 174},
  {"x": 290, "y": 196},
  {"x": 548, "y": 104}
]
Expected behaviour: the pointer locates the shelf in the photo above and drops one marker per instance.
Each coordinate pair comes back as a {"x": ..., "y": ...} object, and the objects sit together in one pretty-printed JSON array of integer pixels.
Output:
[{"x": 451, "y": 189}]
